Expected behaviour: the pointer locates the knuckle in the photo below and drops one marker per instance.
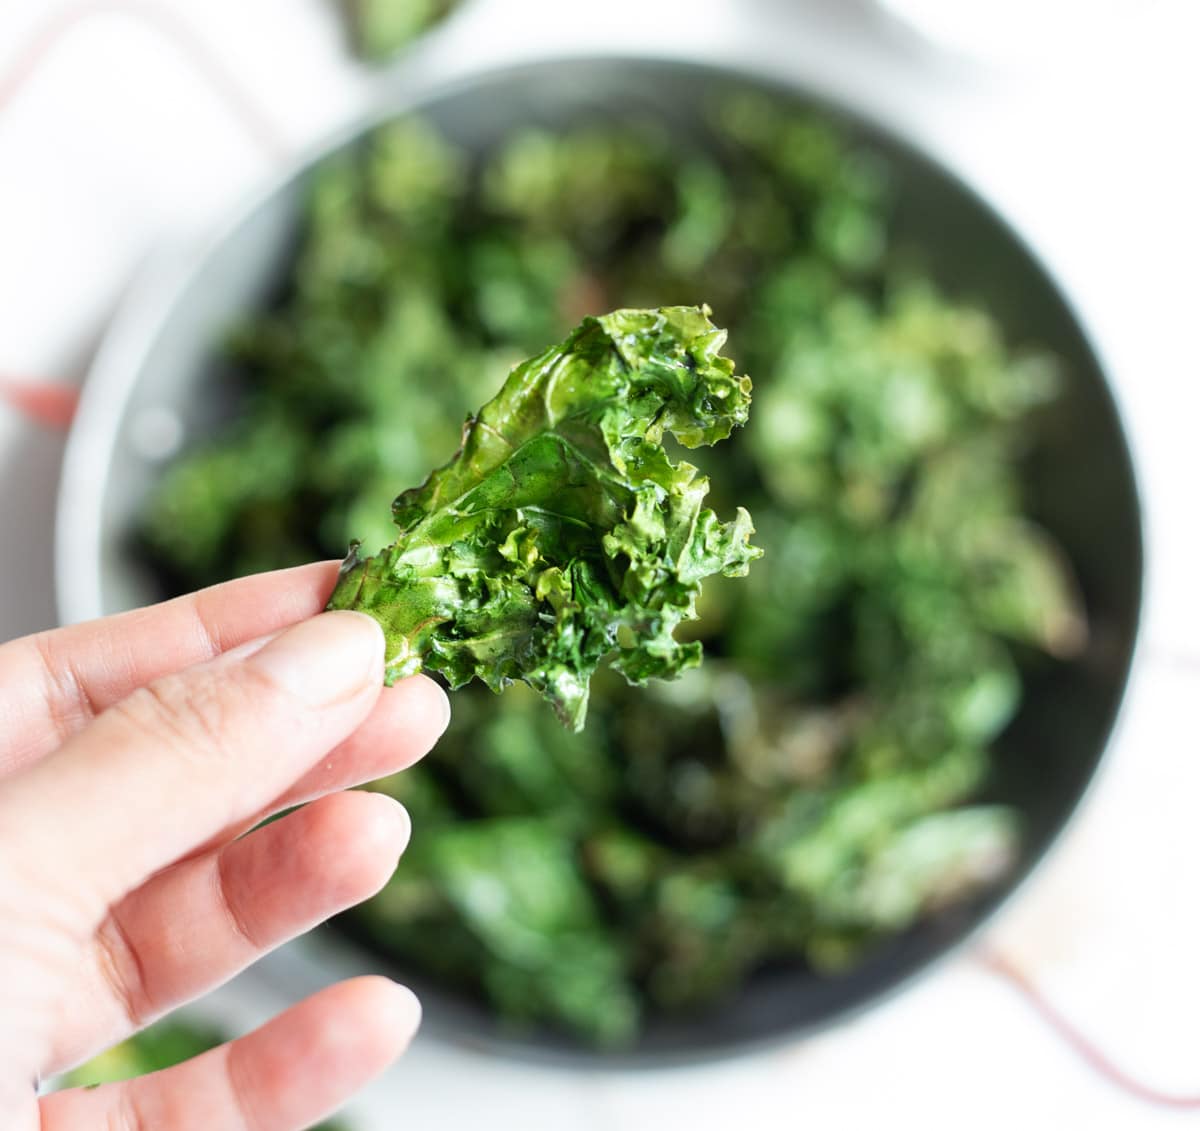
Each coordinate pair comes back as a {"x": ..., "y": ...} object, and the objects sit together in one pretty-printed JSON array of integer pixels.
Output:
[
  {"x": 69, "y": 705},
  {"x": 197, "y": 714},
  {"x": 127, "y": 1113},
  {"x": 243, "y": 1090},
  {"x": 122, "y": 969},
  {"x": 237, "y": 912}
]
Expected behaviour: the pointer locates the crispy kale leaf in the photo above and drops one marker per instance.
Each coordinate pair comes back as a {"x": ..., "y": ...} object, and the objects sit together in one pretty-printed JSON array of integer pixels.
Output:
[{"x": 562, "y": 532}]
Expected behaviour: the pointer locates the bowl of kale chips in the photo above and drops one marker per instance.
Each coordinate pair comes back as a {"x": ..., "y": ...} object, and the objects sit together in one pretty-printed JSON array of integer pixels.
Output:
[{"x": 899, "y": 707}]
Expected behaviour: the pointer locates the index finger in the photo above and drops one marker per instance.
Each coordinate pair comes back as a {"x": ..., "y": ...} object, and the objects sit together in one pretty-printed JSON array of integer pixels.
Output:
[
  {"x": 189, "y": 754},
  {"x": 56, "y": 682}
]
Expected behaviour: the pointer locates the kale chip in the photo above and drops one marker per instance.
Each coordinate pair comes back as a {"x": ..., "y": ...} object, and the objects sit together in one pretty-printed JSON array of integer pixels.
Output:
[{"x": 562, "y": 532}]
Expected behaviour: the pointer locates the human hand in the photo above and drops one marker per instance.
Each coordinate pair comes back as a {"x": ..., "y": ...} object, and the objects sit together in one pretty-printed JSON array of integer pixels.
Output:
[{"x": 134, "y": 752}]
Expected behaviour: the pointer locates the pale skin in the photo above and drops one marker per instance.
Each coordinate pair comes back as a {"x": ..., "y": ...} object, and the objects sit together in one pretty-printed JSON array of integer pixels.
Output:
[{"x": 135, "y": 752}]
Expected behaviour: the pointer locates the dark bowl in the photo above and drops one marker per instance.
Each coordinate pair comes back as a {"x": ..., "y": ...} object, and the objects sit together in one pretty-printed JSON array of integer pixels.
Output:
[{"x": 147, "y": 392}]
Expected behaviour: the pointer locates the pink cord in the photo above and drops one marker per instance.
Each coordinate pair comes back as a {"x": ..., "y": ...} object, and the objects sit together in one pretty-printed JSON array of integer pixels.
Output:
[
  {"x": 52, "y": 403},
  {"x": 1084, "y": 1047}
]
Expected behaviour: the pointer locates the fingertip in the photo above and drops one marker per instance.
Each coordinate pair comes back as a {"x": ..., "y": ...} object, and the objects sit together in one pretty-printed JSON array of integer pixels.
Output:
[
  {"x": 402, "y": 726},
  {"x": 325, "y": 659},
  {"x": 364, "y": 624},
  {"x": 364, "y": 634},
  {"x": 295, "y": 1070},
  {"x": 409, "y": 1009},
  {"x": 390, "y": 1012},
  {"x": 445, "y": 714},
  {"x": 353, "y": 842},
  {"x": 304, "y": 1063},
  {"x": 404, "y": 1013},
  {"x": 426, "y": 700},
  {"x": 384, "y": 827}
]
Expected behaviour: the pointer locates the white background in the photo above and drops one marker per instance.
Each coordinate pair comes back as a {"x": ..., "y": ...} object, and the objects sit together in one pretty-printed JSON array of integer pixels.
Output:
[{"x": 116, "y": 144}]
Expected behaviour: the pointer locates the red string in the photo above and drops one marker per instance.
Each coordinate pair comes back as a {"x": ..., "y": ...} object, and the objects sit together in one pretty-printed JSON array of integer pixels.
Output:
[
  {"x": 167, "y": 24},
  {"x": 52, "y": 403},
  {"x": 1085, "y": 1048}
]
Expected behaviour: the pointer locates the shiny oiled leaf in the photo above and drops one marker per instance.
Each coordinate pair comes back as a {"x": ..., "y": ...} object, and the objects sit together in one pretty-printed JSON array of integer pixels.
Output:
[{"x": 562, "y": 532}]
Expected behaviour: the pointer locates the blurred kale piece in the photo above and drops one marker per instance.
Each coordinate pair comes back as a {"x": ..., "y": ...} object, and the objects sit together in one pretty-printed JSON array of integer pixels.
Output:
[
  {"x": 561, "y": 532},
  {"x": 812, "y": 788},
  {"x": 380, "y": 28},
  {"x": 162, "y": 1045}
]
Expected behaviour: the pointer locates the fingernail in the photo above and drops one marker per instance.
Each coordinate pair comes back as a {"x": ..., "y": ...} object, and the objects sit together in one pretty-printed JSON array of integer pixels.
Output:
[
  {"x": 405, "y": 823},
  {"x": 390, "y": 825},
  {"x": 408, "y": 1007},
  {"x": 326, "y": 659},
  {"x": 246, "y": 650},
  {"x": 445, "y": 706}
]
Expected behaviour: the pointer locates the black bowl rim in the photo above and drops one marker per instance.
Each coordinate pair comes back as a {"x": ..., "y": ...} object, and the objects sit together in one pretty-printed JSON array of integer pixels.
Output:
[{"x": 111, "y": 379}]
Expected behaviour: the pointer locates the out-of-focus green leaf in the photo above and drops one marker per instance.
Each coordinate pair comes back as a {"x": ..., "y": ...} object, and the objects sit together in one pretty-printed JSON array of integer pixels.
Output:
[
  {"x": 813, "y": 786},
  {"x": 381, "y": 28},
  {"x": 519, "y": 891}
]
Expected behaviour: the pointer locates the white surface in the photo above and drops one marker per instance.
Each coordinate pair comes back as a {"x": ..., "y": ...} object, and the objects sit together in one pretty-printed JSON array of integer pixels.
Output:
[{"x": 116, "y": 144}]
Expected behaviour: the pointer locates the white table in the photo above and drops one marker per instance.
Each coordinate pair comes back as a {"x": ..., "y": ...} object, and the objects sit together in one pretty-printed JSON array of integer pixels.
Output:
[{"x": 116, "y": 144}]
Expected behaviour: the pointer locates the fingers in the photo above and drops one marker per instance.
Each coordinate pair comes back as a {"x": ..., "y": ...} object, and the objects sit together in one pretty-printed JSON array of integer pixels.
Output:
[
  {"x": 188, "y": 755},
  {"x": 405, "y": 722},
  {"x": 295, "y": 1070},
  {"x": 403, "y": 726},
  {"x": 197, "y": 924},
  {"x": 56, "y": 682}
]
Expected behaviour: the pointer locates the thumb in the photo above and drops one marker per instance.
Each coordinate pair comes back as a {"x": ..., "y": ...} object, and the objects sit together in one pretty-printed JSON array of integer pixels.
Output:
[{"x": 189, "y": 755}]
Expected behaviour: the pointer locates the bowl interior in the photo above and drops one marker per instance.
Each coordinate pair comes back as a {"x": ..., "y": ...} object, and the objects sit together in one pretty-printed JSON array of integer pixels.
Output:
[{"x": 1081, "y": 479}]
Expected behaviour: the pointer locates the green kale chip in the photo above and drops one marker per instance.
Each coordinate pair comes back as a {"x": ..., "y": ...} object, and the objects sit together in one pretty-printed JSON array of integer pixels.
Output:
[{"x": 562, "y": 532}]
